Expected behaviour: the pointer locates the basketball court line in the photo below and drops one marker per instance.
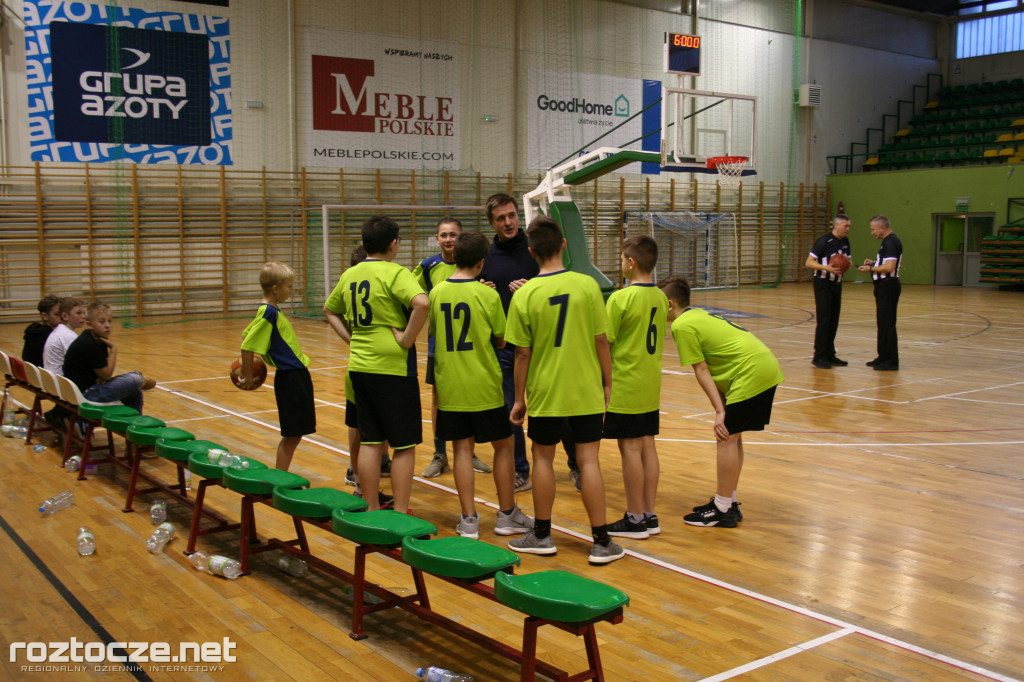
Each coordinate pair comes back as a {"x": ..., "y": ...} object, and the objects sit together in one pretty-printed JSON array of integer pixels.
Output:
[{"x": 756, "y": 596}]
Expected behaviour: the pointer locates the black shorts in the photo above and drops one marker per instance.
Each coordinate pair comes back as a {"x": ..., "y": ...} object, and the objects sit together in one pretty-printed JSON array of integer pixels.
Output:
[
  {"x": 389, "y": 409},
  {"x": 586, "y": 428},
  {"x": 618, "y": 425},
  {"x": 484, "y": 426},
  {"x": 752, "y": 414},
  {"x": 351, "y": 415},
  {"x": 296, "y": 410},
  {"x": 430, "y": 370}
]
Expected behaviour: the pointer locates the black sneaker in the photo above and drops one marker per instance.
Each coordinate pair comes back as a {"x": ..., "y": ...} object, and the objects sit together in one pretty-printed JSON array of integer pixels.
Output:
[
  {"x": 887, "y": 367},
  {"x": 872, "y": 363},
  {"x": 711, "y": 505},
  {"x": 652, "y": 525},
  {"x": 386, "y": 501},
  {"x": 837, "y": 362},
  {"x": 821, "y": 364},
  {"x": 712, "y": 517},
  {"x": 624, "y": 528}
]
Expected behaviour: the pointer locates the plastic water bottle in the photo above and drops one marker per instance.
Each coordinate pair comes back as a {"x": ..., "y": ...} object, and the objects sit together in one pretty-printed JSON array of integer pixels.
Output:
[
  {"x": 160, "y": 537},
  {"x": 158, "y": 512},
  {"x": 39, "y": 448},
  {"x": 86, "y": 542},
  {"x": 74, "y": 463},
  {"x": 57, "y": 502},
  {"x": 14, "y": 431},
  {"x": 217, "y": 565},
  {"x": 293, "y": 565},
  {"x": 433, "y": 674},
  {"x": 226, "y": 459},
  {"x": 188, "y": 479}
]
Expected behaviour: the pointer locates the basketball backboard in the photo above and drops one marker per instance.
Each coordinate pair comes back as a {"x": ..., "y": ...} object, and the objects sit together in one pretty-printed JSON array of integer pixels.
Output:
[{"x": 697, "y": 125}]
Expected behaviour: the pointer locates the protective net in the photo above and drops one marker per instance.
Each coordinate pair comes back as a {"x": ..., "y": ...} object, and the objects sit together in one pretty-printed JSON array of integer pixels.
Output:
[{"x": 701, "y": 246}]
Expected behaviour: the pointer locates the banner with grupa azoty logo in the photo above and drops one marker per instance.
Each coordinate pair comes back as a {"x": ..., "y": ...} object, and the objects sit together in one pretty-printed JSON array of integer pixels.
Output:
[
  {"x": 566, "y": 111},
  {"x": 108, "y": 83}
]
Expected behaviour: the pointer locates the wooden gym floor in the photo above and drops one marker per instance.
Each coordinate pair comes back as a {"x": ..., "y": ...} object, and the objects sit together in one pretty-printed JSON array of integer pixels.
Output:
[{"x": 883, "y": 536}]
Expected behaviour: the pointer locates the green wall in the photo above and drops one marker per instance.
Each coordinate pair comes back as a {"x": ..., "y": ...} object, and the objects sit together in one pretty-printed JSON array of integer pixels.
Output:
[{"x": 910, "y": 199}]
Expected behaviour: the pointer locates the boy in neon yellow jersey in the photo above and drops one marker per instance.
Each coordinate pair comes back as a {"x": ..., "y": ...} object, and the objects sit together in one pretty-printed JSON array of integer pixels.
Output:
[
  {"x": 636, "y": 331},
  {"x": 465, "y": 316},
  {"x": 372, "y": 298},
  {"x": 738, "y": 373},
  {"x": 272, "y": 337},
  {"x": 563, "y": 370}
]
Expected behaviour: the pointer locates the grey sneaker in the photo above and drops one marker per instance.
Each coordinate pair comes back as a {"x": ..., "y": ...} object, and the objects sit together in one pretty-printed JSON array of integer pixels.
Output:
[
  {"x": 514, "y": 523},
  {"x": 605, "y": 554},
  {"x": 479, "y": 466},
  {"x": 350, "y": 477},
  {"x": 469, "y": 526},
  {"x": 437, "y": 466},
  {"x": 522, "y": 482},
  {"x": 574, "y": 476},
  {"x": 531, "y": 544}
]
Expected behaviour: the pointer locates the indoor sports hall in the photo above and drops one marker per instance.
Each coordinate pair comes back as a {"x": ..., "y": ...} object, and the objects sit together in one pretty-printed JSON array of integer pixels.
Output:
[{"x": 156, "y": 153}]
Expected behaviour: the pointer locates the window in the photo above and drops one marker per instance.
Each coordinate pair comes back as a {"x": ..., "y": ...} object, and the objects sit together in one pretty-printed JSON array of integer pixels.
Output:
[{"x": 990, "y": 35}]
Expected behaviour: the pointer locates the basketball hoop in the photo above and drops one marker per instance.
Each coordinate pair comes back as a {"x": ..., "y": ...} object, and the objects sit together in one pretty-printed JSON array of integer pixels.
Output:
[{"x": 730, "y": 169}]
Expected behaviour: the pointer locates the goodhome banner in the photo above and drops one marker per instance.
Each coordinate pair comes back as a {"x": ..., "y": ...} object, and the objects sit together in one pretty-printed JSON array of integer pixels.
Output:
[{"x": 109, "y": 83}]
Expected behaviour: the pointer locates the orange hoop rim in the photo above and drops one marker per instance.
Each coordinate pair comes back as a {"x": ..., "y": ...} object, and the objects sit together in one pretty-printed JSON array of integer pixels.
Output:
[{"x": 714, "y": 161}]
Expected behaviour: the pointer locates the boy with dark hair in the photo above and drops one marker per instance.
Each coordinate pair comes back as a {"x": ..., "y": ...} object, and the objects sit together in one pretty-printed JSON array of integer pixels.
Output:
[
  {"x": 431, "y": 271},
  {"x": 467, "y": 317},
  {"x": 36, "y": 333},
  {"x": 372, "y": 299},
  {"x": 351, "y": 411},
  {"x": 90, "y": 362},
  {"x": 738, "y": 374},
  {"x": 636, "y": 331},
  {"x": 563, "y": 368},
  {"x": 271, "y": 335}
]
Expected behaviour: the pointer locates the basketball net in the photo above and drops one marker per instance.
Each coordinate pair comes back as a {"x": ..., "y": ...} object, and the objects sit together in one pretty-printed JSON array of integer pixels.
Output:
[{"x": 730, "y": 169}]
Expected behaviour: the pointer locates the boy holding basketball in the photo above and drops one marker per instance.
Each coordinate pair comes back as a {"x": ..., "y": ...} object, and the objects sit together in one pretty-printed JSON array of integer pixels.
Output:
[
  {"x": 465, "y": 316},
  {"x": 563, "y": 368},
  {"x": 636, "y": 331},
  {"x": 373, "y": 298},
  {"x": 738, "y": 373},
  {"x": 271, "y": 336}
]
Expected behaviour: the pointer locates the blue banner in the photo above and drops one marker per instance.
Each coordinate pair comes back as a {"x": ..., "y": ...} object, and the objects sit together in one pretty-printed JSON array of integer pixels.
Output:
[{"x": 107, "y": 83}]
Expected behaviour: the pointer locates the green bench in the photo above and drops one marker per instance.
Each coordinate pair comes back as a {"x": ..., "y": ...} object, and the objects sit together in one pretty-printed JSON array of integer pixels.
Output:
[{"x": 212, "y": 476}]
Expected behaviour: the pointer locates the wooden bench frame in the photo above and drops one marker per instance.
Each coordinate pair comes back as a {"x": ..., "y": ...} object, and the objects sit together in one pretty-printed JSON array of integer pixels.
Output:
[{"x": 419, "y": 602}]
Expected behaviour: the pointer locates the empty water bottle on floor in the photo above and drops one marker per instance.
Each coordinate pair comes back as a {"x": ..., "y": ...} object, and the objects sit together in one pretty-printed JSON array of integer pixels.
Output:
[
  {"x": 57, "y": 502},
  {"x": 15, "y": 431},
  {"x": 433, "y": 674},
  {"x": 216, "y": 564},
  {"x": 293, "y": 565},
  {"x": 39, "y": 447},
  {"x": 158, "y": 512},
  {"x": 368, "y": 597},
  {"x": 86, "y": 542},
  {"x": 188, "y": 479},
  {"x": 160, "y": 537},
  {"x": 74, "y": 463}
]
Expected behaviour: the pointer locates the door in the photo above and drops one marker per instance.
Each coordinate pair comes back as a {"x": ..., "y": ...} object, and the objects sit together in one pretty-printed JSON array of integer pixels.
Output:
[{"x": 958, "y": 240}]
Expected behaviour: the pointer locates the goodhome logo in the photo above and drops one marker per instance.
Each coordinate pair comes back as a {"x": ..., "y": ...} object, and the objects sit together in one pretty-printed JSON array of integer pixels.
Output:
[
  {"x": 75, "y": 651},
  {"x": 580, "y": 105}
]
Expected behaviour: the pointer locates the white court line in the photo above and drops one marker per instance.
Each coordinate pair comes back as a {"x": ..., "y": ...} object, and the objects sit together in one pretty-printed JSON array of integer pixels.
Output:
[
  {"x": 762, "y": 662},
  {"x": 679, "y": 569},
  {"x": 973, "y": 390}
]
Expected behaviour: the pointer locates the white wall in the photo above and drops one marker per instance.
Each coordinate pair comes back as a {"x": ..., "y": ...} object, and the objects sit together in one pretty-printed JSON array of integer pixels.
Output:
[{"x": 864, "y": 56}]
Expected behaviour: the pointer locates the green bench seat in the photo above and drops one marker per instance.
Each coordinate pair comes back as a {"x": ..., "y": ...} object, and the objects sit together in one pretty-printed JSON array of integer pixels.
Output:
[
  {"x": 558, "y": 596},
  {"x": 383, "y": 527},
  {"x": 199, "y": 464},
  {"x": 458, "y": 557},
  {"x": 315, "y": 503},
  {"x": 261, "y": 481}
]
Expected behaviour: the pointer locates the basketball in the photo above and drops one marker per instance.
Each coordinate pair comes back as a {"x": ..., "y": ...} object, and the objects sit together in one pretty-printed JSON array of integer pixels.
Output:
[
  {"x": 841, "y": 261},
  {"x": 259, "y": 372}
]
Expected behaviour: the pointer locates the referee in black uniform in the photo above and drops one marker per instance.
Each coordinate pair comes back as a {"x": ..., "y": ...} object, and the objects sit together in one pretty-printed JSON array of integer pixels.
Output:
[
  {"x": 885, "y": 271},
  {"x": 828, "y": 291}
]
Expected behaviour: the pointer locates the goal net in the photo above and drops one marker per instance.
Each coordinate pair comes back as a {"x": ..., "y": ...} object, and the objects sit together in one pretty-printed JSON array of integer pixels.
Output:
[
  {"x": 333, "y": 231},
  {"x": 701, "y": 246}
]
